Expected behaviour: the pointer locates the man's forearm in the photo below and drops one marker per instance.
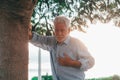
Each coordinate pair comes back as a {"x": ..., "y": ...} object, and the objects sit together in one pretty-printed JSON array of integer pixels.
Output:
[{"x": 75, "y": 63}]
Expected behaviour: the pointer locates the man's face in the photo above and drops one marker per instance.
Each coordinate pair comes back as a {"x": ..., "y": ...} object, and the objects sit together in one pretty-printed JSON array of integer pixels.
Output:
[{"x": 61, "y": 32}]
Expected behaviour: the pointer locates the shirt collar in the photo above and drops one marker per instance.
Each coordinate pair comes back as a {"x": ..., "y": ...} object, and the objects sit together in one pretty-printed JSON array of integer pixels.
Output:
[{"x": 66, "y": 40}]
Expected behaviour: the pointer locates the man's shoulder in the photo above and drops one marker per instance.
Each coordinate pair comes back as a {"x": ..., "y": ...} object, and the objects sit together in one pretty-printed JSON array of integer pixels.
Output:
[{"x": 76, "y": 41}]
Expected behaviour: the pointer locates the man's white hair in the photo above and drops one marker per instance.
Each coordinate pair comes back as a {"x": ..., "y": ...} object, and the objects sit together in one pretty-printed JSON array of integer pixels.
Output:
[{"x": 62, "y": 19}]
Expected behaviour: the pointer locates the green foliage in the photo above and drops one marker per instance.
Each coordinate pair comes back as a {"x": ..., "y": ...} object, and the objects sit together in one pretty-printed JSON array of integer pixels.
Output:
[
  {"x": 80, "y": 11},
  {"x": 35, "y": 78},
  {"x": 49, "y": 77},
  {"x": 44, "y": 77}
]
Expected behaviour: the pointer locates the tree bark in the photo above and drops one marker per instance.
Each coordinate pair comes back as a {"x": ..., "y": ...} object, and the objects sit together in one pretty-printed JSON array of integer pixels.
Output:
[{"x": 15, "y": 17}]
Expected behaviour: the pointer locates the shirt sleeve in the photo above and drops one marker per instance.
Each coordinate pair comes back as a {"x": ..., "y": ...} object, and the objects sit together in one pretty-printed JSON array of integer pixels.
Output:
[
  {"x": 85, "y": 57},
  {"x": 44, "y": 42}
]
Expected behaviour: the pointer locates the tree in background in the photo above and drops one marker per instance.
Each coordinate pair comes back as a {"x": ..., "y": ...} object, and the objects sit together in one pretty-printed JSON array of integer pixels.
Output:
[
  {"x": 81, "y": 12},
  {"x": 15, "y": 16}
]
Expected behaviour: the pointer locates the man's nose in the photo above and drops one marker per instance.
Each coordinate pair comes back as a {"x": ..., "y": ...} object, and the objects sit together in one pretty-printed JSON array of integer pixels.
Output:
[{"x": 59, "y": 32}]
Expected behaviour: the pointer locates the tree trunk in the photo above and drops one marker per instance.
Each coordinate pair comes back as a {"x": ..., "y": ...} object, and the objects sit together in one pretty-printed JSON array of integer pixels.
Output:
[{"x": 14, "y": 20}]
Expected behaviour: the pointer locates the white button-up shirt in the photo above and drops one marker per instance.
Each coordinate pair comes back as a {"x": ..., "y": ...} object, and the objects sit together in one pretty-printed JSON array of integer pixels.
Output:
[{"x": 74, "y": 48}]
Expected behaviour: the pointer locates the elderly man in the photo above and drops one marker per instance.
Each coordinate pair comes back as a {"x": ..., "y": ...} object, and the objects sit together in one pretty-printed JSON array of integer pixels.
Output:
[{"x": 69, "y": 56}]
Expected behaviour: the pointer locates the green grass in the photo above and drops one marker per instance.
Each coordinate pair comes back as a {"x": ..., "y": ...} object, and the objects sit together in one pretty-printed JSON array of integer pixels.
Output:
[{"x": 49, "y": 77}]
